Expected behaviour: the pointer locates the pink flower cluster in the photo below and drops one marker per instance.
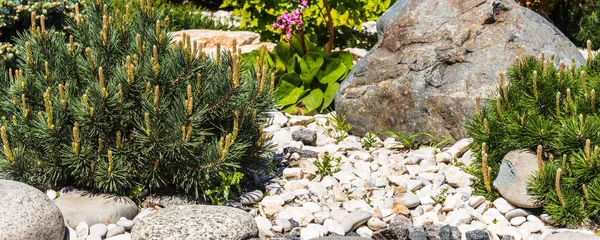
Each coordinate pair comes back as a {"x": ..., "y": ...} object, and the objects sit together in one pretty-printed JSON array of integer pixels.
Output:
[{"x": 287, "y": 20}]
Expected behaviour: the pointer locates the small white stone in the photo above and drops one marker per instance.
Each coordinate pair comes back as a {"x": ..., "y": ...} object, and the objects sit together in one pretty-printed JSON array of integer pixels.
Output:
[
  {"x": 476, "y": 201},
  {"x": 93, "y": 237},
  {"x": 532, "y": 227},
  {"x": 321, "y": 216},
  {"x": 365, "y": 232},
  {"x": 502, "y": 205},
  {"x": 127, "y": 224},
  {"x": 319, "y": 228},
  {"x": 338, "y": 214},
  {"x": 292, "y": 173},
  {"x": 517, "y": 221},
  {"x": 110, "y": 226},
  {"x": 376, "y": 224},
  {"x": 334, "y": 227},
  {"x": 125, "y": 236},
  {"x": 409, "y": 200},
  {"x": 309, "y": 233},
  {"x": 82, "y": 230},
  {"x": 98, "y": 229},
  {"x": 285, "y": 224},
  {"x": 264, "y": 226},
  {"x": 116, "y": 230},
  {"x": 51, "y": 194},
  {"x": 515, "y": 213},
  {"x": 312, "y": 207}
]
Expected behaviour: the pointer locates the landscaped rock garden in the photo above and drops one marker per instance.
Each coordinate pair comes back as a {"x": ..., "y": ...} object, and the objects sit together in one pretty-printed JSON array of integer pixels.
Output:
[{"x": 385, "y": 192}]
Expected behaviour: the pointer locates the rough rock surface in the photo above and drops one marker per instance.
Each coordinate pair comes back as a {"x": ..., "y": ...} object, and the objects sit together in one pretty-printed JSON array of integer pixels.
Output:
[
  {"x": 27, "y": 213},
  {"x": 196, "y": 222},
  {"x": 515, "y": 171},
  {"x": 78, "y": 206},
  {"x": 435, "y": 57}
]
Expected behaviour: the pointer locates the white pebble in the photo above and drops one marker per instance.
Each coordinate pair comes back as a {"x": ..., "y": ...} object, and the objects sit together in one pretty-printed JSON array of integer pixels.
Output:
[{"x": 98, "y": 229}]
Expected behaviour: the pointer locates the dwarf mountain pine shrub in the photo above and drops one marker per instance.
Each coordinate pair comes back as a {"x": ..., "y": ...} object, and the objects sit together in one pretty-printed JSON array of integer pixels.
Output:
[
  {"x": 111, "y": 105},
  {"x": 552, "y": 111}
]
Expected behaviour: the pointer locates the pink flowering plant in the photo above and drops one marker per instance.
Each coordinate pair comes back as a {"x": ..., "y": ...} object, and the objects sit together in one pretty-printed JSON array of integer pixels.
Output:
[{"x": 308, "y": 75}]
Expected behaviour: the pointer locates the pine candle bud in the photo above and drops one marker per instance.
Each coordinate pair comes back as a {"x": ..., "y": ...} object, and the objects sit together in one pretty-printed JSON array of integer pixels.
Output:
[
  {"x": 154, "y": 59},
  {"x": 564, "y": 161},
  {"x": 33, "y": 20},
  {"x": 91, "y": 112},
  {"x": 588, "y": 152},
  {"x": 110, "y": 161},
  {"x": 586, "y": 194},
  {"x": 561, "y": 69},
  {"x": 190, "y": 101},
  {"x": 43, "y": 25},
  {"x": 138, "y": 40},
  {"x": 119, "y": 141},
  {"x": 100, "y": 145},
  {"x": 570, "y": 101},
  {"x": 63, "y": 97},
  {"x": 199, "y": 82},
  {"x": 28, "y": 54},
  {"x": 557, "y": 104},
  {"x": 24, "y": 103},
  {"x": 147, "y": 120},
  {"x": 272, "y": 87},
  {"x": 590, "y": 55},
  {"x": 557, "y": 186},
  {"x": 523, "y": 54},
  {"x": 540, "y": 161},
  {"x": 189, "y": 131},
  {"x": 478, "y": 107},
  {"x": 121, "y": 94},
  {"x": 7, "y": 150},
  {"x": 485, "y": 172},
  {"x": 535, "y": 89},
  {"x": 486, "y": 126},
  {"x": 48, "y": 106},
  {"x": 88, "y": 54}
]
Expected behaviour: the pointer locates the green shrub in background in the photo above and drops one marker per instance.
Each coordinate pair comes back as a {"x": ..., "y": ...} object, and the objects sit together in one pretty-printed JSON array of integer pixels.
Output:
[
  {"x": 552, "y": 111},
  {"x": 579, "y": 20},
  {"x": 111, "y": 105},
  {"x": 309, "y": 76},
  {"x": 347, "y": 15},
  {"x": 183, "y": 16},
  {"x": 15, "y": 16}
]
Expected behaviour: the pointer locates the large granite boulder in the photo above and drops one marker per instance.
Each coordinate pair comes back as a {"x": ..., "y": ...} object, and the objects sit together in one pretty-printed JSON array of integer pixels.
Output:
[
  {"x": 27, "y": 213},
  {"x": 81, "y": 206},
  {"x": 435, "y": 57},
  {"x": 196, "y": 222}
]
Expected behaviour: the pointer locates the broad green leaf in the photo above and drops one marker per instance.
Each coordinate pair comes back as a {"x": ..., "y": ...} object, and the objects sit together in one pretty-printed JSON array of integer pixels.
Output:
[
  {"x": 295, "y": 43},
  {"x": 329, "y": 95},
  {"x": 310, "y": 65},
  {"x": 285, "y": 60},
  {"x": 334, "y": 70},
  {"x": 313, "y": 100},
  {"x": 346, "y": 58},
  {"x": 289, "y": 90}
]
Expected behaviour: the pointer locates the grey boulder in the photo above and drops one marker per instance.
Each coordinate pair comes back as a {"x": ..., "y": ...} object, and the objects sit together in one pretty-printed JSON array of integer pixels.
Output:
[
  {"x": 197, "y": 222},
  {"x": 435, "y": 57},
  {"x": 306, "y": 136},
  {"x": 515, "y": 170},
  {"x": 27, "y": 213},
  {"x": 80, "y": 206}
]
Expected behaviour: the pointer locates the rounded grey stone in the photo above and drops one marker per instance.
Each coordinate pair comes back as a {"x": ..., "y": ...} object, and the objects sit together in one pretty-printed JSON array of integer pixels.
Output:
[
  {"x": 477, "y": 235},
  {"x": 515, "y": 171},
  {"x": 306, "y": 136},
  {"x": 79, "y": 206},
  {"x": 197, "y": 222},
  {"x": 250, "y": 198},
  {"x": 27, "y": 213}
]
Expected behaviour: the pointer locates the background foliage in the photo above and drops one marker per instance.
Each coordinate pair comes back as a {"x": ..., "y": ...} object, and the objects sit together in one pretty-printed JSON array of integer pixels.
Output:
[
  {"x": 348, "y": 15},
  {"x": 554, "y": 109},
  {"x": 579, "y": 20},
  {"x": 111, "y": 105}
]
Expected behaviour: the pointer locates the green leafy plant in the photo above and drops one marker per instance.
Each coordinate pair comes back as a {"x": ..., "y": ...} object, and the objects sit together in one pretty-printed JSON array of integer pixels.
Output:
[
  {"x": 415, "y": 140},
  {"x": 551, "y": 111},
  {"x": 440, "y": 198},
  {"x": 309, "y": 76},
  {"x": 345, "y": 18},
  {"x": 221, "y": 193},
  {"x": 369, "y": 139},
  {"x": 111, "y": 104},
  {"x": 327, "y": 166},
  {"x": 336, "y": 126}
]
